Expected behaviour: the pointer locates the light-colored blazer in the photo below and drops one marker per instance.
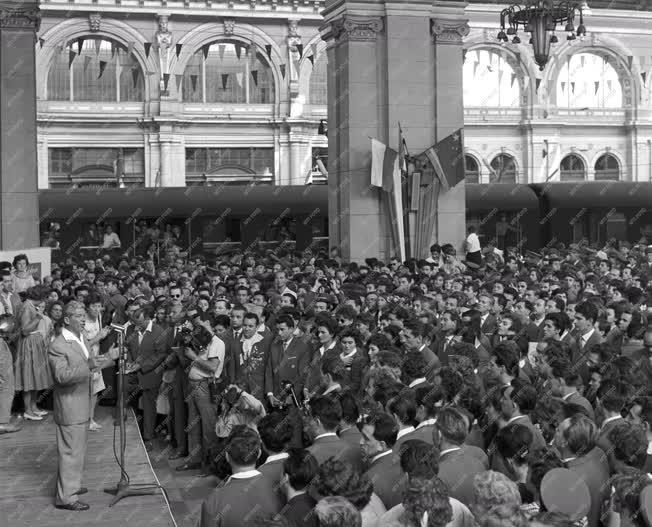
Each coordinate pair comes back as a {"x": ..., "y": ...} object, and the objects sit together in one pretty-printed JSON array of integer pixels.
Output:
[{"x": 72, "y": 382}]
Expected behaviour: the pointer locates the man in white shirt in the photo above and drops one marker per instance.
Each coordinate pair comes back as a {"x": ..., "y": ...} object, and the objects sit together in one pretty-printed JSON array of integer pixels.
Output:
[
  {"x": 473, "y": 250},
  {"x": 111, "y": 239}
]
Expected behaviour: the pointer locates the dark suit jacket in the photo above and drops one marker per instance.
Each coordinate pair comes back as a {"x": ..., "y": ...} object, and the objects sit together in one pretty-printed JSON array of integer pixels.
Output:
[
  {"x": 594, "y": 470},
  {"x": 490, "y": 325},
  {"x": 576, "y": 398},
  {"x": 151, "y": 354},
  {"x": 351, "y": 436},
  {"x": 239, "y": 502},
  {"x": 313, "y": 374},
  {"x": 423, "y": 433},
  {"x": 251, "y": 371},
  {"x": 332, "y": 446},
  {"x": 457, "y": 469},
  {"x": 388, "y": 479},
  {"x": 272, "y": 472},
  {"x": 533, "y": 332},
  {"x": 299, "y": 511},
  {"x": 604, "y": 442},
  {"x": 289, "y": 365}
]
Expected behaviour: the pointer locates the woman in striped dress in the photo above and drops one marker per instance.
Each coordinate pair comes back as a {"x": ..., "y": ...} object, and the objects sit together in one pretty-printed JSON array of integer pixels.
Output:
[{"x": 32, "y": 366}]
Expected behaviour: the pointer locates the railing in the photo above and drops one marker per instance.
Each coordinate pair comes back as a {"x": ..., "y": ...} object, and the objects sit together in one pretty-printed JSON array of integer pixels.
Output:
[{"x": 209, "y": 180}]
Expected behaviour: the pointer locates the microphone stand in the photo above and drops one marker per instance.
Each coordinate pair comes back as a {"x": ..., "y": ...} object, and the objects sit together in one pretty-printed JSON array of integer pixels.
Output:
[{"x": 124, "y": 488}]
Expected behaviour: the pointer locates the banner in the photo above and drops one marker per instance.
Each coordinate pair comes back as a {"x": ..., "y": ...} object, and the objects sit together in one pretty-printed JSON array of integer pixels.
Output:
[
  {"x": 225, "y": 79},
  {"x": 268, "y": 49},
  {"x": 300, "y": 49},
  {"x": 311, "y": 58},
  {"x": 596, "y": 87},
  {"x": 254, "y": 76},
  {"x": 179, "y": 46},
  {"x": 205, "y": 49},
  {"x": 80, "y": 45},
  {"x": 103, "y": 64},
  {"x": 39, "y": 260},
  {"x": 71, "y": 57},
  {"x": 148, "y": 47},
  {"x": 238, "y": 50},
  {"x": 166, "y": 80},
  {"x": 282, "y": 68}
]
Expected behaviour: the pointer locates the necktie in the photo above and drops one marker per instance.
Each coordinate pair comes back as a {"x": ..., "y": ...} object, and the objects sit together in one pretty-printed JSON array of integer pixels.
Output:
[
  {"x": 285, "y": 345},
  {"x": 140, "y": 338},
  {"x": 6, "y": 305}
]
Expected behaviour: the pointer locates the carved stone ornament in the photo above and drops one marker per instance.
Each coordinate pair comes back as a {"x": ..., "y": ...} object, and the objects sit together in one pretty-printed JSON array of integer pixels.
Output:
[
  {"x": 446, "y": 31},
  {"x": 163, "y": 35},
  {"x": 94, "y": 22},
  {"x": 293, "y": 28},
  {"x": 357, "y": 28},
  {"x": 25, "y": 16},
  {"x": 229, "y": 27}
]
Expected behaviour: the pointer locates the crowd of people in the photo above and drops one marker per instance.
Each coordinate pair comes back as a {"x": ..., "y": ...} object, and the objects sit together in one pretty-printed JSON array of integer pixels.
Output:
[{"x": 502, "y": 390}]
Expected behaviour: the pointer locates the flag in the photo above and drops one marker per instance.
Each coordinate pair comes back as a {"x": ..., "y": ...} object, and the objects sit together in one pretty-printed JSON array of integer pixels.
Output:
[
  {"x": 644, "y": 77},
  {"x": 254, "y": 76},
  {"x": 80, "y": 45},
  {"x": 225, "y": 78},
  {"x": 268, "y": 49},
  {"x": 103, "y": 64},
  {"x": 449, "y": 153},
  {"x": 41, "y": 42},
  {"x": 513, "y": 79},
  {"x": 311, "y": 58},
  {"x": 402, "y": 151},
  {"x": 205, "y": 49},
  {"x": 238, "y": 50},
  {"x": 573, "y": 87},
  {"x": 282, "y": 68},
  {"x": 300, "y": 49},
  {"x": 87, "y": 61},
  {"x": 147, "y": 46},
  {"x": 385, "y": 173},
  {"x": 166, "y": 80},
  {"x": 596, "y": 86},
  {"x": 179, "y": 46},
  {"x": 538, "y": 84},
  {"x": 71, "y": 57}
]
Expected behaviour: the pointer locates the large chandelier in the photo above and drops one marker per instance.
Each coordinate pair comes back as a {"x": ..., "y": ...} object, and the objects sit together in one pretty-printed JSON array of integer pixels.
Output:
[{"x": 540, "y": 18}]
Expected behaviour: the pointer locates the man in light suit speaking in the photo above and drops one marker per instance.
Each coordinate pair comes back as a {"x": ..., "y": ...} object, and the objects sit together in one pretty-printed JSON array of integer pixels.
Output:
[{"x": 72, "y": 367}]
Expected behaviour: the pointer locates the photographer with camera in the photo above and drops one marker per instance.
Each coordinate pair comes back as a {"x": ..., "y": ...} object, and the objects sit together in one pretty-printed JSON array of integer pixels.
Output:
[{"x": 206, "y": 354}]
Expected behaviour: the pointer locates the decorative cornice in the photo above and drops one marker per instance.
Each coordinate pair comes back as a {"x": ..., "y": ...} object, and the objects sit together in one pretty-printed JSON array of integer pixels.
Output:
[
  {"x": 95, "y": 22},
  {"x": 449, "y": 31},
  {"x": 24, "y": 17},
  {"x": 229, "y": 26},
  {"x": 356, "y": 28}
]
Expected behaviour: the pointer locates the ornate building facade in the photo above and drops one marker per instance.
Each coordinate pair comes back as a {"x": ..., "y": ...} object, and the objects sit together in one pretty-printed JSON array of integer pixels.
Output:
[{"x": 158, "y": 93}]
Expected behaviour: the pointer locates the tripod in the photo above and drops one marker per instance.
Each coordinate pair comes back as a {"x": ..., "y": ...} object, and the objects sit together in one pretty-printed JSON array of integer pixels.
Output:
[{"x": 124, "y": 488}]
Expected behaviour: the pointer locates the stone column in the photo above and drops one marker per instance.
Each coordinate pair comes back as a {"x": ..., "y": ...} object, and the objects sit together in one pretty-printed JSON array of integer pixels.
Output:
[
  {"x": 384, "y": 69},
  {"x": 447, "y": 33},
  {"x": 356, "y": 222},
  {"x": 19, "y": 212}
]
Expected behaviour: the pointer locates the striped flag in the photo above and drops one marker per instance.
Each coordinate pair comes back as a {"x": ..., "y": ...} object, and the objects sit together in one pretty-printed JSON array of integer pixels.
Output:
[
  {"x": 386, "y": 174},
  {"x": 447, "y": 158}
]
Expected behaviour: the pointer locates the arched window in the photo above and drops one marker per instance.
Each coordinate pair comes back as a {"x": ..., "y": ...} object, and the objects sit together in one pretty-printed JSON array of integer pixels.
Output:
[
  {"x": 572, "y": 168},
  {"x": 228, "y": 71},
  {"x": 504, "y": 169},
  {"x": 489, "y": 80},
  {"x": 102, "y": 70},
  {"x": 317, "y": 91},
  {"x": 607, "y": 168},
  {"x": 471, "y": 169},
  {"x": 588, "y": 81}
]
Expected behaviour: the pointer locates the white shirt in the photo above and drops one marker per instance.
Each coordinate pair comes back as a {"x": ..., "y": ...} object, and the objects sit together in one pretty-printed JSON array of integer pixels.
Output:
[
  {"x": 449, "y": 450},
  {"x": 608, "y": 420},
  {"x": 71, "y": 337},
  {"x": 427, "y": 422},
  {"x": 416, "y": 381},
  {"x": 323, "y": 350},
  {"x": 474, "y": 243},
  {"x": 327, "y": 434},
  {"x": 142, "y": 334},
  {"x": 584, "y": 338},
  {"x": 336, "y": 386},
  {"x": 246, "y": 474},
  {"x": 382, "y": 454},
  {"x": 403, "y": 432},
  {"x": 214, "y": 350},
  {"x": 276, "y": 457},
  {"x": 110, "y": 241}
]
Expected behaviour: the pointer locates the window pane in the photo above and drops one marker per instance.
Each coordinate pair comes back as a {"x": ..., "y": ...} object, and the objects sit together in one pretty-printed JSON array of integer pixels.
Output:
[
  {"x": 233, "y": 75},
  {"x": 607, "y": 168},
  {"x": 318, "y": 81},
  {"x": 59, "y": 77},
  {"x": 132, "y": 81},
  {"x": 489, "y": 80},
  {"x": 225, "y": 161},
  {"x": 588, "y": 81},
  {"x": 572, "y": 169},
  {"x": 472, "y": 170},
  {"x": 87, "y": 83}
]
